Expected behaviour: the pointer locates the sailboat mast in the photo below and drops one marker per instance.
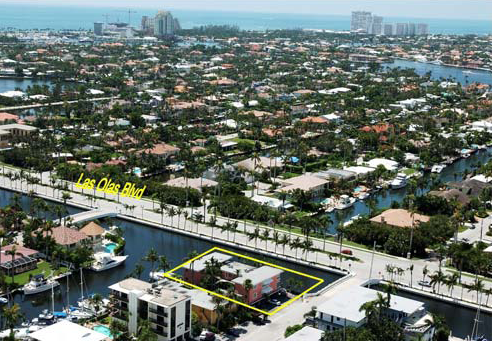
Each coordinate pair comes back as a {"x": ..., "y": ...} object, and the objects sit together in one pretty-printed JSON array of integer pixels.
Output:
[{"x": 81, "y": 284}]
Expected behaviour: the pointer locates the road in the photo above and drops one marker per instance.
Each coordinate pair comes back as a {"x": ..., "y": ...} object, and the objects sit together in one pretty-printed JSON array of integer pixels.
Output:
[{"x": 362, "y": 270}]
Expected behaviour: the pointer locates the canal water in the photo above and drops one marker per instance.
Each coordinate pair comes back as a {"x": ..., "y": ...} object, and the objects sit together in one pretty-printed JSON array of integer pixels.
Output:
[
  {"x": 438, "y": 72},
  {"x": 9, "y": 84},
  {"x": 386, "y": 197},
  {"x": 459, "y": 319},
  {"x": 139, "y": 240}
]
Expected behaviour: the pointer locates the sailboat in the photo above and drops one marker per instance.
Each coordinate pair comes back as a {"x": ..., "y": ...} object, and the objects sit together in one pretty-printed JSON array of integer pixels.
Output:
[{"x": 475, "y": 335}]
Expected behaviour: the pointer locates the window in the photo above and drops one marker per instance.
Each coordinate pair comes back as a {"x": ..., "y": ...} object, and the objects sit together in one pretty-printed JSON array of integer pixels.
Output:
[
  {"x": 338, "y": 318},
  {"x": 255, "y": 295},
  {"x": 173, "y": 322},
  {"x": 187, "y": 315}
]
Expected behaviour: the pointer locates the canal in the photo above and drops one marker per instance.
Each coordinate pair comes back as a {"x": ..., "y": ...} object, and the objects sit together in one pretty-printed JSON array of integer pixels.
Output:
[
  {"x": 459, "y": 319},
  {"x": 9, "y": 84},
  {"x": 385, "y": 198},
  {"x": 139, "y": 240},
  {"x": 444, "y": 72}
]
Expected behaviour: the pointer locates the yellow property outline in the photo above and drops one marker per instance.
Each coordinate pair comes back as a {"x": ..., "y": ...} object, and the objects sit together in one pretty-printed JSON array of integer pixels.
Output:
[{"x": 169, "y": 273}]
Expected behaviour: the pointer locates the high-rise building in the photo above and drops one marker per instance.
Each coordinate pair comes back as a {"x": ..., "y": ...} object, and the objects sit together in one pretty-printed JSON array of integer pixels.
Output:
[
  {"x": 411, "y": 29},
  {"x": 422, "y": 29},
  {"x": 164, "y": 24},
  {"x": 98, "y": 28},
  {"x": 388, "y": 29},
  {"x": 401, "y": 29},
  {"x": 361, "y": 21},
  {"x": 377, "y": 25},
  {"x": 168, "y": 311},
  {"x": 148, "y": 25}
]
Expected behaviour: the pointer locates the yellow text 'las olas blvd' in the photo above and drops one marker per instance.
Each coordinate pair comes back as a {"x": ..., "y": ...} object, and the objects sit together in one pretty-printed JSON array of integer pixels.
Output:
[{"x": 110, "y": 187}]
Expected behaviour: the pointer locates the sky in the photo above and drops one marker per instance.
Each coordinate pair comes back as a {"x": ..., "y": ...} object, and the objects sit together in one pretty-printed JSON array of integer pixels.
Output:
[{"x": 452, "y": 9}]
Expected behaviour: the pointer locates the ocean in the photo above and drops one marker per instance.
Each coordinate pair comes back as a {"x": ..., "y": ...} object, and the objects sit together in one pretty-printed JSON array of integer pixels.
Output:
[{"x": 71, "y": 17}]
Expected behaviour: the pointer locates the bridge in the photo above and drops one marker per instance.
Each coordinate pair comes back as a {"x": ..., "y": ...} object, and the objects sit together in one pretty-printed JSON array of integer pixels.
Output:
[{"x": 91, "y": 215}]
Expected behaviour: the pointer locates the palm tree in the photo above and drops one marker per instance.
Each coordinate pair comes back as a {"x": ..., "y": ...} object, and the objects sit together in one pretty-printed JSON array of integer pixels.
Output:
[
  {"x": 296, "y": 244},
  {"x": 477, "y": 286},
  {"x": 12, "y": 315},
  {"x": 411, "y": 275},
  {"x": 306, "y": 246},
  {"x": 248, "y": 285},
  {"x": 164, "y": 263},
  {"x": 172, "y": 213},
  {"x": 264, "y": 236},
  {"x": 138, "y": 271},
  {"x": 186, "y": 215},
  {"x": 451, "y": 281},
  {"x": 254, "y": 235},
  {"x": 12, "y": 252},
  {"x": 276, "y": 239},
  {"x": 284, "y": 241},
  {"x": 425, "y": 271},
  {"x": 179, "y": 211},
  {"x": 65, "y": 196},
  {"x": 152, "y": 257}
]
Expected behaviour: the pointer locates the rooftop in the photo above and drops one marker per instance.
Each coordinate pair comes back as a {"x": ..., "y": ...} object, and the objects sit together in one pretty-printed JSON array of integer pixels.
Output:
[
  {"x": 306, "y": 334},
  {"x": 346, "y": 304},
  {"x": 199, "y": 264},
  {"x": 62, "y": 330},
  {"x": 399, "y": 217},
  {"x": 258, "y": 275}
]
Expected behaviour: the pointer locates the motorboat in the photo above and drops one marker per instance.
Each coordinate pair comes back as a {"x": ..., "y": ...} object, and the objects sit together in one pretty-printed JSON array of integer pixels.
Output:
[
  {"x": 438, "y": 168},
  {"x": 4, "y": 300},
  {"x": 39, "y": 284},
  {"x": 44, "y": 319},
  {"x": 399, "y": 182},
  {"x": 105, "y": 261},
  {"x": 344, "y": 202},
  {"x": 80, "y": 314},
  {"x": 156, "y": 275}
]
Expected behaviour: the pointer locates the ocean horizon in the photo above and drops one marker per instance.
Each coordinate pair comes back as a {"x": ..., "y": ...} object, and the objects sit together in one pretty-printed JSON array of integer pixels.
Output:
[{"x": 15, "y": 16}]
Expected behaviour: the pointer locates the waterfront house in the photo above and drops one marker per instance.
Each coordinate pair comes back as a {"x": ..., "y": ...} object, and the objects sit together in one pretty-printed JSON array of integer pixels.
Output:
[
  {"x": 305, "y": 182},
  {"x": 66, "y": 236},
  {"x": 66, "y": 330},
  {"x": 93, "y": 231},
  {"x": 168, "y": 311},
  {"x": 343, "y": 310},
  {"x": 162, "y": 150},
  {"x": 399, "y": 218},
  {"x": 470, "y": 187},
  {"x": 23, "y": 260},
  {"x": 195, "y": 183},
  {"x": 10, "y": 131}
]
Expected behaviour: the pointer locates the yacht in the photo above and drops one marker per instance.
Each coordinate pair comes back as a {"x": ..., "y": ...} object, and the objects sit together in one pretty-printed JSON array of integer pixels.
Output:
[
  {"x": 104, "y": 261},
  {"x": 438, "y": 168},
  {"x": 39, "y": 284},
  {"x": 344, "y": 202},
  {"x": 4, "y": 300},
  {"x": 399, "y": 182}
]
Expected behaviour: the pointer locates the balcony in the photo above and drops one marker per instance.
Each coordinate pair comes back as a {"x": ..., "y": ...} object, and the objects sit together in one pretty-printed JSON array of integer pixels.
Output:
[
  {"x": 160, "y": 323},
  {"x": 158, "y": 312},
  {"x": 162, "y": 333}
]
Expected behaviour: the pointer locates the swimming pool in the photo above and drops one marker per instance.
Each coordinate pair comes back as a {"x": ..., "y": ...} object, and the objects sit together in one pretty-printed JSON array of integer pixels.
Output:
[
  {"x": 103, "y": 330},
  {"x": 110, "y": 247}
]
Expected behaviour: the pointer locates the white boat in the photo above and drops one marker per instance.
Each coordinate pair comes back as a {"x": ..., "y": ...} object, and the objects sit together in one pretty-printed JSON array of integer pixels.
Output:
[
  {"x": 39, "y": 284},
  {"x": 157, "y": 275},
  {"x": 4, "y": 300},
  {"x": 399, "y": 182},
  {"x": 344, "y": 202},
  {"x": 105, "y": 261},
  {"x": 438, "y": 168}
]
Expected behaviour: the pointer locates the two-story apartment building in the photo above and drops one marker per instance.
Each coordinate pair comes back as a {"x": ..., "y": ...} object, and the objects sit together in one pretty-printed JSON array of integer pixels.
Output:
[
  {"x": 168, "y": 311},
  {"x": 343, "y": 310},
  {"x": 265, "y": 280}
]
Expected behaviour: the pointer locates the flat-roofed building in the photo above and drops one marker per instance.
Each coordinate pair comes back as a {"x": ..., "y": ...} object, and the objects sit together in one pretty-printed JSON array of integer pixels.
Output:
[
  {"x": 305, "y": 182},
  {"x": 9, "y": 131},
  {"x": 343, "y": 310},
  {"x": 168, "y": 311}
]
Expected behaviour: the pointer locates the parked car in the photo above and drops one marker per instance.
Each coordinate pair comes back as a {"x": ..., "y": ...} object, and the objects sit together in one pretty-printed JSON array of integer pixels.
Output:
[
  {"x": 207, "y": 336},
  {"x": 347, "y": 252},
  {"x": 425, "y": 284}
]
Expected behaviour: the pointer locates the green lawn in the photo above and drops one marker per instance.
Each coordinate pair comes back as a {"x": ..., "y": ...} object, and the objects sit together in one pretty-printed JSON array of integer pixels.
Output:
[{"x": 43, "y": 268}]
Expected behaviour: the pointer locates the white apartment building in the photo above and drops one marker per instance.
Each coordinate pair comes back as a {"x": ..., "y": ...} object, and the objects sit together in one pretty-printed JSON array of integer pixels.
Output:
[
  {"x": 343, "y": 310},
  {"x": 361, "y": 21},
  {"x": 164, "y": 24},
  {"x": 168, "y": 311}
]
